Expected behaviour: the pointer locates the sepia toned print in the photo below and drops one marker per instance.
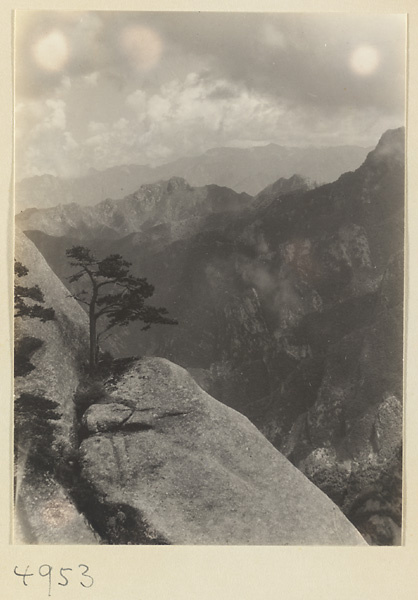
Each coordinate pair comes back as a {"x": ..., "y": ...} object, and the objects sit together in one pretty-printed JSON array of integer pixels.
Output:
[{"x": 209, "y": 278}]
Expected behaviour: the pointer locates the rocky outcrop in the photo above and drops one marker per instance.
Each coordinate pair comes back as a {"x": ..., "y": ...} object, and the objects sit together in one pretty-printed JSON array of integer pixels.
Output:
[
  {"x": 63, "y": 340},
  {"x": 44, "y": 511},
  {"x": 165, "y": 463}
]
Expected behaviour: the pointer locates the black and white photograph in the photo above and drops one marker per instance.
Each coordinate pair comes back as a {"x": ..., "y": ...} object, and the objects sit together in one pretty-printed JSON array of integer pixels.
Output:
[{"x": 209, "y": 278}]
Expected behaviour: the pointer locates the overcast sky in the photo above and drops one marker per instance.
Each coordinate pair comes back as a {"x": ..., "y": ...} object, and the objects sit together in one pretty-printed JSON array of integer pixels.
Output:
[{"x": 98, "y": 89}]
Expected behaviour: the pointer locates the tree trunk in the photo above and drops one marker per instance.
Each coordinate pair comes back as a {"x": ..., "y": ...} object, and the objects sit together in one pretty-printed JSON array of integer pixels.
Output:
[
  {"x": 93, "y": 346},
  {"x": 93, "y": 332}
]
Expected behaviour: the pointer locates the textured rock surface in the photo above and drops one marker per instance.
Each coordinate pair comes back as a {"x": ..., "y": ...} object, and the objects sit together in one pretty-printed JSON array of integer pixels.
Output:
[
  {"x": 105, "y": 417},
  {"x": 56, "y": 372},
  {"x": 185, "y": 469},
  {"x": 44, "y": 511}
]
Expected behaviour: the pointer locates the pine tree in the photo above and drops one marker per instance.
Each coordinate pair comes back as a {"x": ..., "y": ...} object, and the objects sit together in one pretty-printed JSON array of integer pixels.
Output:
[{"x": 114, "y": 296}]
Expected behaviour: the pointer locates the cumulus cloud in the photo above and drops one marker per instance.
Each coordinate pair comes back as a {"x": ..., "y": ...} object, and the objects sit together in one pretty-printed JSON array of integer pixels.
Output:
[{"x": 196, "y": 113}]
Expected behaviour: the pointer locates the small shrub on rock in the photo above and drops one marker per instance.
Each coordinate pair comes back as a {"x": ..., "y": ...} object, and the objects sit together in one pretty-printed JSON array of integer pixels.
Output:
[
  {"x": 24, "y": 349},
  {"x": 34, "y": 430},
  {"x": 90, "y": 391}
]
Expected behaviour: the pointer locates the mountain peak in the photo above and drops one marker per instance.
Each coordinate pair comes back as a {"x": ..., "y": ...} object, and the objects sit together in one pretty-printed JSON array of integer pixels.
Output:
[
  {"x": 392, "y": 135},
  {"x": 166, "y": 185},
  {"x": 175, "y": 183},
  {"x": 391, "y": 144},
  {"x": 281, "y": 187}
]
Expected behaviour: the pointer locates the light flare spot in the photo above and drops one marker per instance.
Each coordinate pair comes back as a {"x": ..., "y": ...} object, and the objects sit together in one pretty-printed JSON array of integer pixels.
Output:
[
  {"x": 57, "y": 512},
  {"x": 364, "y": 60},
  {"x": 142, "y": 45},
  {"x": 51, "y": 52}
]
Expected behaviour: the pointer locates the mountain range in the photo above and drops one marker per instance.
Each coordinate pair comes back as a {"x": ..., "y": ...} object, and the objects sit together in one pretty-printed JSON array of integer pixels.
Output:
[
  {"x": 290, "y": 310},
  {"x": 241, "y": 169},
  {"x": 172, "y": 202}
]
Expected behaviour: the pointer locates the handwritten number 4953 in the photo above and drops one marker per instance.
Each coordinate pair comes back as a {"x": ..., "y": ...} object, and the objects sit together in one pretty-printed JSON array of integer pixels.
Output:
[{"x": 85, "y": 580}]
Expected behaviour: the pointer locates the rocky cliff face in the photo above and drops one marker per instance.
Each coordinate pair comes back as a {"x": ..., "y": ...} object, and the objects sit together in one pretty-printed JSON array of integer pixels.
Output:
[
  {"x": 64, "y": 339},
  {"x": 45, "y": 513},
  {"x": 350, "y": 441},
  {"x": 165, "y": 463}
]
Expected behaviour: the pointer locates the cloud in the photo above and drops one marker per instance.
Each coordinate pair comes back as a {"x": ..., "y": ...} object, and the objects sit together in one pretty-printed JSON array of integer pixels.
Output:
[
  {"x": 196, "y": 113},
  {"x": 94, "y": 127},
  {"x": 302, "y": 58},
  {"x": 148, "y": 87},
  {"x": 55, "y": 117},
  {"x": 92, "y": 78},
  {"x": 297, "y": 57},
  {"x": 47, "y": 146},
  {"x": 138, "y": 102},
  {"x": 186, "y": 117}
]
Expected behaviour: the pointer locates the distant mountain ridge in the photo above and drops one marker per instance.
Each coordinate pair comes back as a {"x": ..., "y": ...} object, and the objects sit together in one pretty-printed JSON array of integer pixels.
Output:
[
  {"x": 173, "y": 201},
  {"x": 241, "y": 169},
  {"x": 280, "y": 187},
  {"x": 174, "y": 205}
]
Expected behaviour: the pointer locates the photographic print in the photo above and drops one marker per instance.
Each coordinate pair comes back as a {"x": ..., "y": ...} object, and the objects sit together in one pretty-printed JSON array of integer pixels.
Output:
[{"x": 209, "y": 278}]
